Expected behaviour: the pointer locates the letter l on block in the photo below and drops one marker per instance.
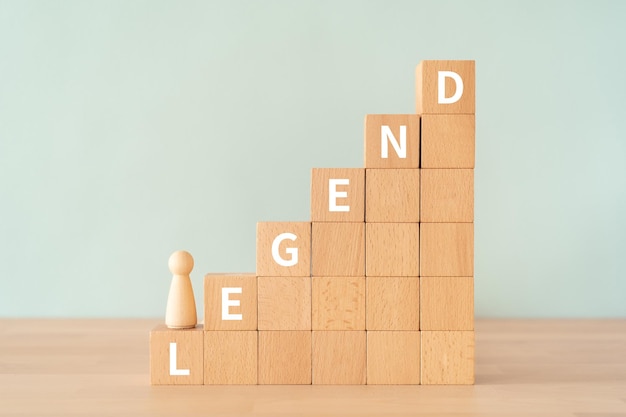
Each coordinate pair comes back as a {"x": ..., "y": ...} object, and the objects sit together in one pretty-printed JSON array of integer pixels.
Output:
[{"x": 173, "y": 369}]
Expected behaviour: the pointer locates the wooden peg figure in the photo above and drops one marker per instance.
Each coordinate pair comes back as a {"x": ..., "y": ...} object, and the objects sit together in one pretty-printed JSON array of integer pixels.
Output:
[{"x": 181, "y": 304}]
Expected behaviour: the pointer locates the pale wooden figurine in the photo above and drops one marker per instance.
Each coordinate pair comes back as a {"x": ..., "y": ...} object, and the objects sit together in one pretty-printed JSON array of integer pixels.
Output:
[{"x": 181, "y": 304}]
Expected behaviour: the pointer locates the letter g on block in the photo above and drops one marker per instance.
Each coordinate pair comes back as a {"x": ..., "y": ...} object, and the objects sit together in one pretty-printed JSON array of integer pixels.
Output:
[{"x": 290, "y": 251}]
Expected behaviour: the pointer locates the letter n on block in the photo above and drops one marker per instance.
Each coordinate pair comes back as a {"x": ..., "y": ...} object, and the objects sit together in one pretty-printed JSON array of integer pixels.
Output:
[
  {"x": 283, "y": 249},
  {"x": 230, "y": 302},
  {"x": 392, "y": 141},
  {"x": 176, "y": 356}
]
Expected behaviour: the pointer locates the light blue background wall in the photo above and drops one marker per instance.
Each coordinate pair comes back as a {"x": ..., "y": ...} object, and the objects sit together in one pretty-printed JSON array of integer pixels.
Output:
[{"x": 131, "y": 129}]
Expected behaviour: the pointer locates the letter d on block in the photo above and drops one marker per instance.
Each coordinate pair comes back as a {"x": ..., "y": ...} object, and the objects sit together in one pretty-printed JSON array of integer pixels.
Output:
[
  {"x": 173, "y": 369},
  {"x": 441, "y": 87},
  {"x": 291, "y": 251}
]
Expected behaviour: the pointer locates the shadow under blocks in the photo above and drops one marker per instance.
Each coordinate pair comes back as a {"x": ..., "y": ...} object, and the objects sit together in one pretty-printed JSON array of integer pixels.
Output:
[{"x": 377, "y": 287}]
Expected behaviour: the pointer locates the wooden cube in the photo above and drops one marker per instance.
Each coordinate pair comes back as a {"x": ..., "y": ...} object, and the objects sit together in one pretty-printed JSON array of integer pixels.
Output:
[
  {"x": 338, "y": 303},
  {"x": 338, "y": 249},
  {"x": 283, "y": 249},
  {"x": 230, "y": 357},
  {"x": 337, "y": 194},
  {"x": 393, "y": 357},
  {"x": 438, "y": 87},
  {"x": 392, "y": 195},
  {"x": 448, "y": 141},
  {"x": 447, "y": 303},
  {"x": 285, "y": 357},
  {"x": 392, "y": 141},
  {"x": 393, "y": 303},
  {"x": 230, "y": 302},
  {"x": 176, "y": 356},
  {"x": 447, "y": 195},
  {"x": 339, "y": 357},
  {"x": 392, "y": 249},
  {"x": 447, "y": 357},
  {"x": 446, "y": 249},
  {"x": 284, "y": 303}
]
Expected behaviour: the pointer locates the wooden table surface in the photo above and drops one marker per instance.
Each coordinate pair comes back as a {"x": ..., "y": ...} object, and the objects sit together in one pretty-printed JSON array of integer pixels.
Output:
[{"x": 524, "y": 368}]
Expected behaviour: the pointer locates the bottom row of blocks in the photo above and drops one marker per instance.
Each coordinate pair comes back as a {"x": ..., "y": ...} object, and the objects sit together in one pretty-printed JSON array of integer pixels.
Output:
[{"x": 304, "y": 357}]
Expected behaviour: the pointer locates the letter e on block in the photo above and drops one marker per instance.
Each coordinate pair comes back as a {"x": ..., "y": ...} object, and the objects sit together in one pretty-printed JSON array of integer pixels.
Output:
[
  {"x": 445, "y": 87},
  {"x": 283, "y": 249},
  {"x": 337, "y": 194},
  {"x": 392, "y": 141},
  {"x": 230, "y": 302}
]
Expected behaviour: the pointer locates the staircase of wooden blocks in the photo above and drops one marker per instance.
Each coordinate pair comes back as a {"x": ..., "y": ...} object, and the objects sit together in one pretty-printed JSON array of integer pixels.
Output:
[{"x": 378, "y": 287}]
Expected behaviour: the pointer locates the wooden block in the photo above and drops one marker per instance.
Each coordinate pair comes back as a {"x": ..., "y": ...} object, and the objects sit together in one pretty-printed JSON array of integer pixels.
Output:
[
  {"x": 447, "y": 303},
  {"x": 230, "y": 357},
  {"x": 393, "y": 357},
  {"x": 393, "y": 303},
  {"x": 176, "y": 356},
  {"x": 446, "y": 249},
  {"x": 437, "y": 91},
  {"x": 448, "y": 141},
  {"x": 338, "y": 303},
  {"x": 392, "y": 195},
  {"x": 285, "y": 357},
  {"x": 447, "y": 357},
  {"x": 339, "y": 357},
  {"x": 283, "y": 249},
  {"x": 392, "y": 140},
  {"x": 447, "y": 195},
  {"x": 392, "y": 249},
  {"x": 230, "y": 302},
  {"x": 338, "y": 249},
  {"x": 337, "y": 194},
  {"x": 284, "y": 303}
]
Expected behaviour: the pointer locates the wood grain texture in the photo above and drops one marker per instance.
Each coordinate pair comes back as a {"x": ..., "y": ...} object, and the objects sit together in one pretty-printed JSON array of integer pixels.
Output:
[
  {"x": 448, "y": 141},
  {"x": 284, "y": 303},
  {"x": 285, "y": 357},
  {"x": 338, "y": 249},
  {"x": 447, "y": 303},
  {"x": 213, "y": 298},
  {"x": 426, "y": 88},
  {"x": 393, "y": 357},
  {"x": 392, "y": 249},
  {"x": 354, "y": 200},
  {"x": 267, "y": 232},
  {"x": 230, "y": 357},
  {"x": 100, "y": 367},
  {"x": 393, "y": 303},
  {"x": 446, "y": 249},
  {"x": 447, "y": 357},
  {"x": 447, "y": 195},
  {"x": 189, "y": 355},
  {"x": 339, "y": 357},
  {"x": 374, "y": 140},
  {"x": 392, "y": 195},
  {"x": 338, "y": 303}
]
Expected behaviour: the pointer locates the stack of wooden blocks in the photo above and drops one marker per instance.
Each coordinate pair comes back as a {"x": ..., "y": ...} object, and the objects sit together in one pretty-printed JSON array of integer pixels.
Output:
[{"x": 378, "y": 287}]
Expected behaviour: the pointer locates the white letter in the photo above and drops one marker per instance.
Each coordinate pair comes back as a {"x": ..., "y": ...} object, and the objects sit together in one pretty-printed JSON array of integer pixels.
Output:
[
  {"x": 386, "y": 135},
  {"x": 442, "y": 87},
  {"x": 333, "y": 194},
  {"x": 227, "y": 302},
  {"x": 173, "y": 370},
  {"x": 291, "y": 251}
]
